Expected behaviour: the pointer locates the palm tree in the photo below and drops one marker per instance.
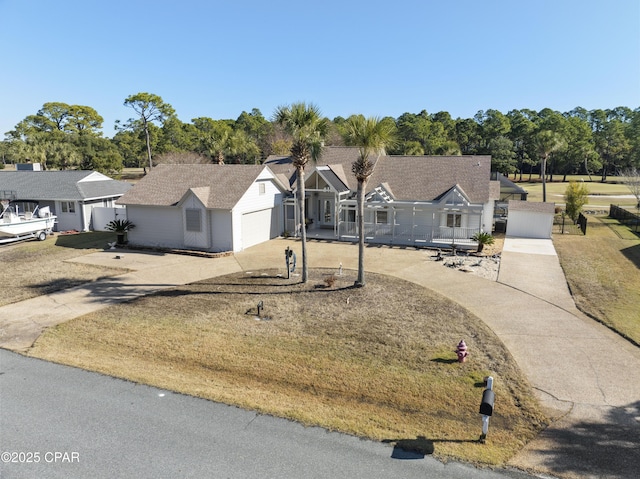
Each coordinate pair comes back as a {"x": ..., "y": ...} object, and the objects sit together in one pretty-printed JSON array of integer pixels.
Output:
[
  {"x": 372, "y": 137},
  {"x": 307, "y": 128},
  {"x": 547, "y": 142}
]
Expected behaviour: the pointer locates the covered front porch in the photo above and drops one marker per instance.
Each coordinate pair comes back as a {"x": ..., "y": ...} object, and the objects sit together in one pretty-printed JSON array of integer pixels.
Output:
[
  {"x": 399, "y": 224},
  {"x": 331, "y": 208}
]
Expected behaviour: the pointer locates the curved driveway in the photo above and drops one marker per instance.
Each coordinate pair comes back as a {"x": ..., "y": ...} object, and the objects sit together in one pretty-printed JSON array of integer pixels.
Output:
[{"x": 586, "y": 377}]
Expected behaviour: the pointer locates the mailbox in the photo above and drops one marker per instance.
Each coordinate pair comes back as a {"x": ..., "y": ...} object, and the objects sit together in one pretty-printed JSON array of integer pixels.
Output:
[{"x": 486, "y": 406}]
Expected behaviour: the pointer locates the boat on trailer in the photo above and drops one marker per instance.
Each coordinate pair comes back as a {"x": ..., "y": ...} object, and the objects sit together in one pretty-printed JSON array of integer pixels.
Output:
[{"x": 24, "y": 219}]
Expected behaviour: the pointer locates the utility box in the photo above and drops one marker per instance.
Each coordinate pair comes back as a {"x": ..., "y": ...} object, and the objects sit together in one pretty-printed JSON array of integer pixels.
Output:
[
  {"x": 28, "y": 167},
  {"x": 486, "y": 406}
]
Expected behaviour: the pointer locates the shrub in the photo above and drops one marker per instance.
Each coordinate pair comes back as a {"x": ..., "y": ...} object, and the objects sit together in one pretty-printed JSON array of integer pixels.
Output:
[
  {"x": 483, "y": 238},
  {"x": 120, "y": 226},
  {"x": 575, "y": 197}
]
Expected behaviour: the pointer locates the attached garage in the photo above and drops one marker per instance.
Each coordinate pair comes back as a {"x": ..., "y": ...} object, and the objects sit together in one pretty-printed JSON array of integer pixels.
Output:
[
  {"x": 530, "y": 219},
  {"x": 215, "y": 208},
  {"x": 259, "y": 226}
]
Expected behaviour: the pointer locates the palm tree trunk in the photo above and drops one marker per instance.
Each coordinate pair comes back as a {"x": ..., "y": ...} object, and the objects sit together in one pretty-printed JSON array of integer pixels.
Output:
[
  {"x": 148, "y": 141},
  {"x": 361, "y": 188},
  {"x": 544, "y": 179},
  {"x": 303, "y": 229}
]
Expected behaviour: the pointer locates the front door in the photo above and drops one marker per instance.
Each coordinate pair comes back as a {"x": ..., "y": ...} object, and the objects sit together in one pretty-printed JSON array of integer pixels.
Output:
[{"x": 325, "y": 212}]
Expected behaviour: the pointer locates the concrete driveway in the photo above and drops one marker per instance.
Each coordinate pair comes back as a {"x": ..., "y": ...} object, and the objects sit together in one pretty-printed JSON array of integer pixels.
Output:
[{"x": 586, "y": 377}]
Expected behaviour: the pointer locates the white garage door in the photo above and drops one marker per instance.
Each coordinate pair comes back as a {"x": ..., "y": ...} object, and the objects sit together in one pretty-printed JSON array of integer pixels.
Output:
[
  {"x": 257, "y": 227},
  {"x": 523, "y": 224}
]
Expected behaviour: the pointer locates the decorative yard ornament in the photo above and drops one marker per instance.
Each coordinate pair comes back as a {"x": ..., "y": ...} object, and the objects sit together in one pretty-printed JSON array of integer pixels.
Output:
[{"x": 462, "y": 352}]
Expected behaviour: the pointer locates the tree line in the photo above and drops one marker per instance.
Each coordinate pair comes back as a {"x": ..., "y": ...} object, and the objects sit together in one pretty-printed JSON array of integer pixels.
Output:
[{"x": 522, "y": 143}]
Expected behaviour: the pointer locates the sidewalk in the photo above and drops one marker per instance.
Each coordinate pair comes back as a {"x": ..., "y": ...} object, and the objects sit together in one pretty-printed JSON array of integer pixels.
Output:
[{"x": 586, "y": 377}]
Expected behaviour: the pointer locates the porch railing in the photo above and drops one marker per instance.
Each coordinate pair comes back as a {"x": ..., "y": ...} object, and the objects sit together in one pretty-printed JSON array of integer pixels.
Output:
[
  {"x": 408, "y": 235},
  {"x": 447, "y": 234}
]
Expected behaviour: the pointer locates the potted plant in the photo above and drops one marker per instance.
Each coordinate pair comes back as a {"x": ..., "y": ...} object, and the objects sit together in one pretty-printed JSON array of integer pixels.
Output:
[
  {"x": 120, "y": 227},
  {"x": 482, "y": 238}
]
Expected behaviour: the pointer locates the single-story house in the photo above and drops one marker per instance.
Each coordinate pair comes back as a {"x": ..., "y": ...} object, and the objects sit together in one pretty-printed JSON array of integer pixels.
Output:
[
  {"x": 71, "y": 195},
  {"x": 212, "y": 208},
  {"x": 530, "y": 219},
  {"x": 410, "y": 200}
]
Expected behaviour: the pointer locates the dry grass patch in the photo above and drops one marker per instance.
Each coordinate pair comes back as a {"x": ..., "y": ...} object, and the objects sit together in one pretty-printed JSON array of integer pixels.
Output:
[
  {"x": 602, "y": 271},
  {"x": 376, "y": 362},
  {"x": 34, "y": 268}
]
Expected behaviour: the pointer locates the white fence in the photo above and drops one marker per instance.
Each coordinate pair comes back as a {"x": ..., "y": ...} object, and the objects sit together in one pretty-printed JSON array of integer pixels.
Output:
[{"x": 101, "y": 216}]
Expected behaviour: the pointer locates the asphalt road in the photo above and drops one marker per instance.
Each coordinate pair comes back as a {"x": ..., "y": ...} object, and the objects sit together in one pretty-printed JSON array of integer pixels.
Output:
[{"x": 62, "y": 422}]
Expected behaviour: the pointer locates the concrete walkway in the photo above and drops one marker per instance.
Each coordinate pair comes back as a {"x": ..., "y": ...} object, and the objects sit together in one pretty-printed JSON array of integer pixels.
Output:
[{"x": 586, "y": 377}]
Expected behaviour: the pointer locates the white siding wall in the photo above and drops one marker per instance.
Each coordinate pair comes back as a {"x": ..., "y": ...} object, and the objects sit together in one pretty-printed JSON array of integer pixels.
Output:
[
  {"x": 252, "y": 201},
  {"x": 195, "y": 239},
  {"x": 156, "y": 226},
  {"x": 221, "y": 238},
  {"x": 487, "y": 217},
  {"x": 68, "y": 221}
]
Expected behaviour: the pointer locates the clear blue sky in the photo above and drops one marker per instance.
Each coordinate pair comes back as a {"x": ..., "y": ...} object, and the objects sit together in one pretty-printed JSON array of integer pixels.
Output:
[{"x": 384, "y": 58}]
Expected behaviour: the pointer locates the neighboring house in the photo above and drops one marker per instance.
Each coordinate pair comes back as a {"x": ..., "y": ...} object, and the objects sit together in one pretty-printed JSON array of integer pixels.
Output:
[
  {"x": 530, "y": 219},
  {"x": 508, "y": 191},
  {"x": 212, "y": 208},
  {"x": 410, "y": 200},
  {"x": 71, "y": 195}
]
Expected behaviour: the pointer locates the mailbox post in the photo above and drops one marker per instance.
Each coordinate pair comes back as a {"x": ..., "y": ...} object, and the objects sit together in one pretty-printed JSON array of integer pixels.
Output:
[
  {"x": 486, "y": 408},
  {"x": 286, "y": 258},
  {"x": 290, "y": 259}
]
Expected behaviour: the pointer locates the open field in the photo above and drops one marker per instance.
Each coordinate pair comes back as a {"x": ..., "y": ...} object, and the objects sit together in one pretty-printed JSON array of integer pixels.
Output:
[
  {"x": 603, "y": 272},
  {"x": 601, "y": 195},
  {"x": 34, "y": 268},
  {"x": 376, "y": 362}
]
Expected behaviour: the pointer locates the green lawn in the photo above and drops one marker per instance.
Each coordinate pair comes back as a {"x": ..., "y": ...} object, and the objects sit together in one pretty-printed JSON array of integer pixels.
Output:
[{"x": 601, "y": 195}]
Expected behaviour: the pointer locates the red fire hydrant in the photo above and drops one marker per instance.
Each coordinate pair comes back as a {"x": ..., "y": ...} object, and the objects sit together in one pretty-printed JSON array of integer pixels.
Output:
[{"x": 462, "y": 352}]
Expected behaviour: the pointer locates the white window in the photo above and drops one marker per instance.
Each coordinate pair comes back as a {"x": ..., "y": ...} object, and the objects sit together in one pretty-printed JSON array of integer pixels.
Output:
[
  {"x": 382, "y": 217},
  {"x": 68, "y": 206},
  {"x": 454, "y": 220},
  {"x": 262, "y": 188},
  {"x": 193, "y": 219}
]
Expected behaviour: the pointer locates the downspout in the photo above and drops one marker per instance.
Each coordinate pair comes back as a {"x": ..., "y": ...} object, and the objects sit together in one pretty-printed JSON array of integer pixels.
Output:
[
  {"x": 413, "y": 224},
  {"x": 393, "y": 225}
]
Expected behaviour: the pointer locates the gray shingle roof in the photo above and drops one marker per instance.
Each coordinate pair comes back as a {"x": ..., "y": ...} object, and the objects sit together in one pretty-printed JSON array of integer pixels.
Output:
[
  {"x": 217, "y": 186},
  {"x": 532, "y": 206},
  {"x": 411, "y": 178},
  {"x": 331, "y": 155},
  {"x": 426, "y": 178},
  {"x": 71, "y": 185}
]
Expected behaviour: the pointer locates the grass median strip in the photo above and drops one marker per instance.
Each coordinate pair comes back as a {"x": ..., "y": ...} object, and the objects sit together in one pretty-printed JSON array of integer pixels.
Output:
[{"x": 376, "y": 362}]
